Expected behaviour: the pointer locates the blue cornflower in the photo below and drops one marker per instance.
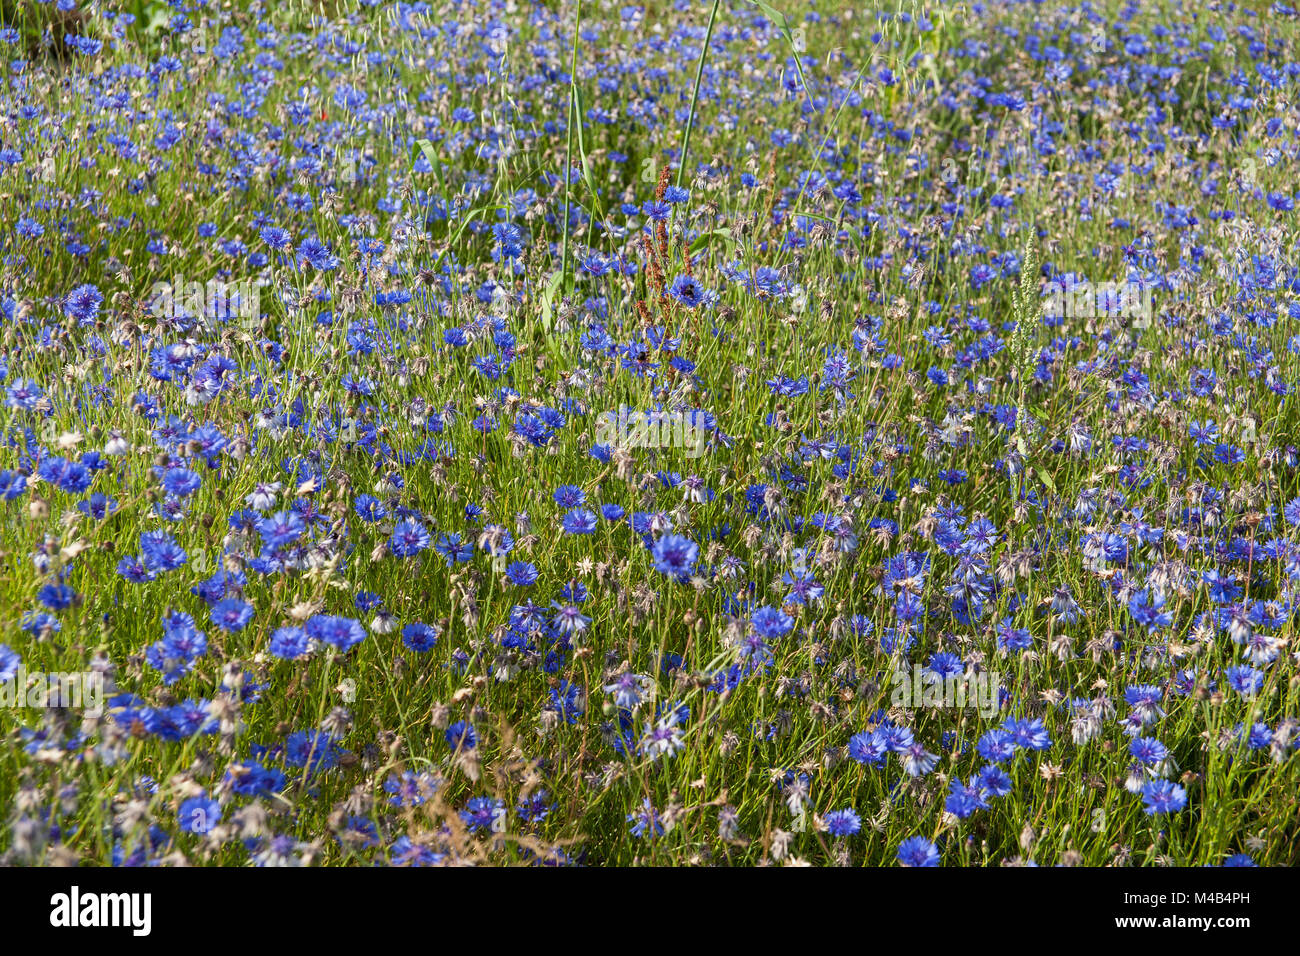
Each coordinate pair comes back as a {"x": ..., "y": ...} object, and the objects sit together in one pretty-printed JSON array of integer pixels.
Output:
[
  {"x": 315, "y": 253},
  {"x": 771, "y": 622},
  {"x": 24, "y": 395},
  {"x": 453, "y": 548},
  {"x": 1145, "y": 701},
  {"x": 870, "y": 748},
  {"x": 842, "y": 823},
  {"x": 251, "y": 779},
  {"x": 231, "y": 614},
  {"x": 9, "y": 663},
  {"x": 1148, "y": 750},
  {"x": 420, "y": 637},
  {"x": 180, "y": 482},
  {"x": 289, "y": 643},
  {"x": 57, "y": 597},
  {"x": 1244, "y": 680},
  {"x": 918, "y": 851},
  {"x": 83, "y": 303},
  {"x": 579, "y": 521},
  {"x": 964, "y": 799},
  {"x": 629, "y": 689},
  {"x": 755, "y": 650},
  {"x": 645, "y": 821},
  {"x": 276, "y": 237},
  {"x": 675, "y": 556},
  {"x": 535, "y": 807},
  {"x": 993, "y": 780},
  {"x": 569, "y": 496},
  {"x": 1028, "y": 733},
  {"x": 657, "y": 211},
  {"x": 343, "y": 633},
  {"x": 312, "y": 750},
  {"x": 996, "y": 746},
  {"x": 687, "y": 291},
  {"x": 199, "y": 814},
  {"x": 281, "y": 529},
  {"x": 916, "y": 760},
  {"x": 369, "y": 508},
  {"x": 462, "y": 736},
  {"x": 569, "y": 619},
  {"x": 1163, "y": 796},
  {"x": 409, "y": 537},
  {"x": 1148, "y": 610},
  {"x": 521, "y": 573},
  {"x": 1013, "y": 639},
  {"x": 98, "y": 506}
]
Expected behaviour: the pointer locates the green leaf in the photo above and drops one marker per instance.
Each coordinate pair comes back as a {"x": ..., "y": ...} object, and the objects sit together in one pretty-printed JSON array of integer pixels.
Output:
[
  {"x": 773, "y": 14},
  {"x": 1046, "y": 478},
  {"x": 582, "y": 144},
  {"x": 548, "y": 300},
  {"x": 426, "y": 147},
  {"x": 813, "y": 215},
  {"x": 549, "y": 292},
  {"x": 723, "y": 236}
]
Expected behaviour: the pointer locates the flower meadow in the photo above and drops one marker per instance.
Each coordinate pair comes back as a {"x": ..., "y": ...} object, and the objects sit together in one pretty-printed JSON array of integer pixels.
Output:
[{"x": 599, "y": 433}]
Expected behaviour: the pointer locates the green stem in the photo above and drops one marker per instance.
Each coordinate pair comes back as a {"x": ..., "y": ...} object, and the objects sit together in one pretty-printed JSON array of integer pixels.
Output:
[
  {"x": 568, "y": 132},
  {"x": 695, "y": 95}
]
